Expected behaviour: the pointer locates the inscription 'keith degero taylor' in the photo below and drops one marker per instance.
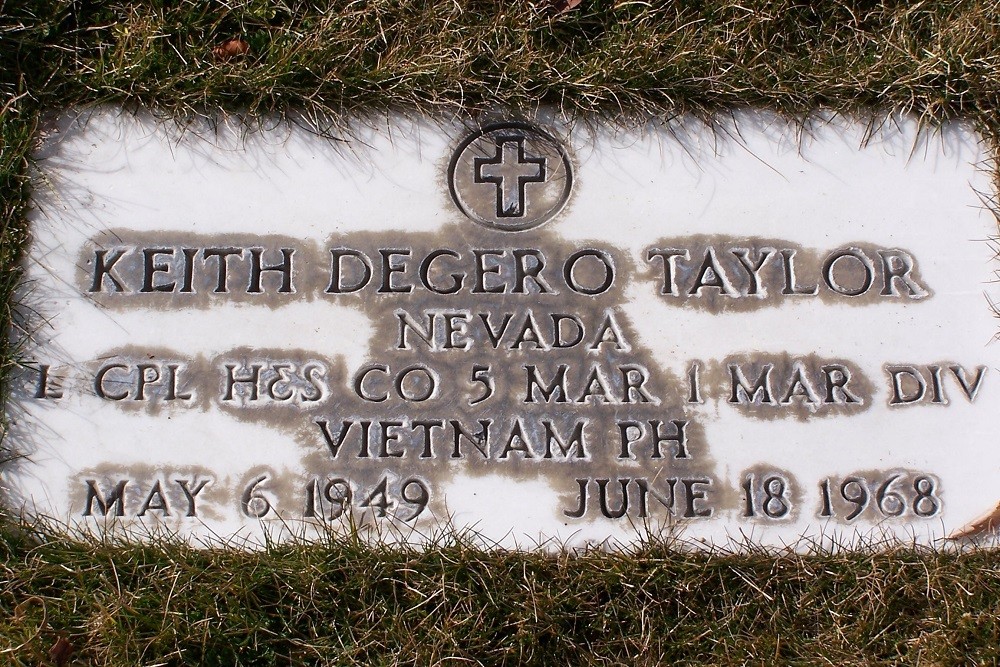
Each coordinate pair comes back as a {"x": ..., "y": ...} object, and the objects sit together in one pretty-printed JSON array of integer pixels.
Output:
[{"x": 737, "y": 269}]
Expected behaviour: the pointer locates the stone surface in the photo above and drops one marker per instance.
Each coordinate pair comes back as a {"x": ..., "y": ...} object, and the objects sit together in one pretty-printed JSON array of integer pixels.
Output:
[{"x": 752, "y": 332}]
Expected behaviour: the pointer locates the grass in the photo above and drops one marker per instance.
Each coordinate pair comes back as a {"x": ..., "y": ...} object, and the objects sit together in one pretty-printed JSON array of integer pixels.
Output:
[{"x": 348, "y": 603}]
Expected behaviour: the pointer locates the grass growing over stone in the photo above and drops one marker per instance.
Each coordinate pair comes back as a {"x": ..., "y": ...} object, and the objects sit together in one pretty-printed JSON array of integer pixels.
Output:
[{"x": 343, "y": 602}]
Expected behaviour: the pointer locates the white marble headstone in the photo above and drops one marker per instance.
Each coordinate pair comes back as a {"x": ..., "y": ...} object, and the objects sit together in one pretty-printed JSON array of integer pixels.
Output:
[{"x": 544, "y": 332}]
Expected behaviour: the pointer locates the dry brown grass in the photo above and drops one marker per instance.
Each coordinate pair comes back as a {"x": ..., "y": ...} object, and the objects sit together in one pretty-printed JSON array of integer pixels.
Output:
[{"x": 347, "y": 603}]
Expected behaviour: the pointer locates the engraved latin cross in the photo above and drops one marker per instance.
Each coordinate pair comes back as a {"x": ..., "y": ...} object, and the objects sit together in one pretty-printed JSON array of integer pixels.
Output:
[{"x": 509, "y": 170}]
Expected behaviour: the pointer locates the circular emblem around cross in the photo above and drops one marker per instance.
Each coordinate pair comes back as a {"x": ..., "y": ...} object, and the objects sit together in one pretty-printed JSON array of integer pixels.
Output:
[{"x": 510, "y": 176}]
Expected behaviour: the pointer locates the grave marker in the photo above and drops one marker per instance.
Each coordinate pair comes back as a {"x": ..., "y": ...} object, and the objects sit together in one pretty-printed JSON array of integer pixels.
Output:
[{"x": 537, "y": 330}]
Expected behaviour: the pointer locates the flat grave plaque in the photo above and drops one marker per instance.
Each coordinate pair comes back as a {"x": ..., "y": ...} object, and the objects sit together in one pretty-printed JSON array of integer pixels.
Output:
[{"x": 542, "y": 331}]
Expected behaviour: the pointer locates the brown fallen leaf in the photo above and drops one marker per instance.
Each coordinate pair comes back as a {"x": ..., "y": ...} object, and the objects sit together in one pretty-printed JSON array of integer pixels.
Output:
[
  {"x": 983, "y": 524},
  {"x": 231, "y": 48},
  {"x": 20, "y": 611},
  {"x": 563, "y": 6},
  {"x": 61, "y": 651}
]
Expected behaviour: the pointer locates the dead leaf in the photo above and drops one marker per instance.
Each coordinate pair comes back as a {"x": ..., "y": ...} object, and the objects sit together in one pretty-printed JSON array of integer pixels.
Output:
[
  {"x": 983, "y": 524},
  {"x": 61, "y": 651},
  {"x": 20, "y": 611},
  {"x": 563, "y": 6},
  {"x": 231, "y": 48}
]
